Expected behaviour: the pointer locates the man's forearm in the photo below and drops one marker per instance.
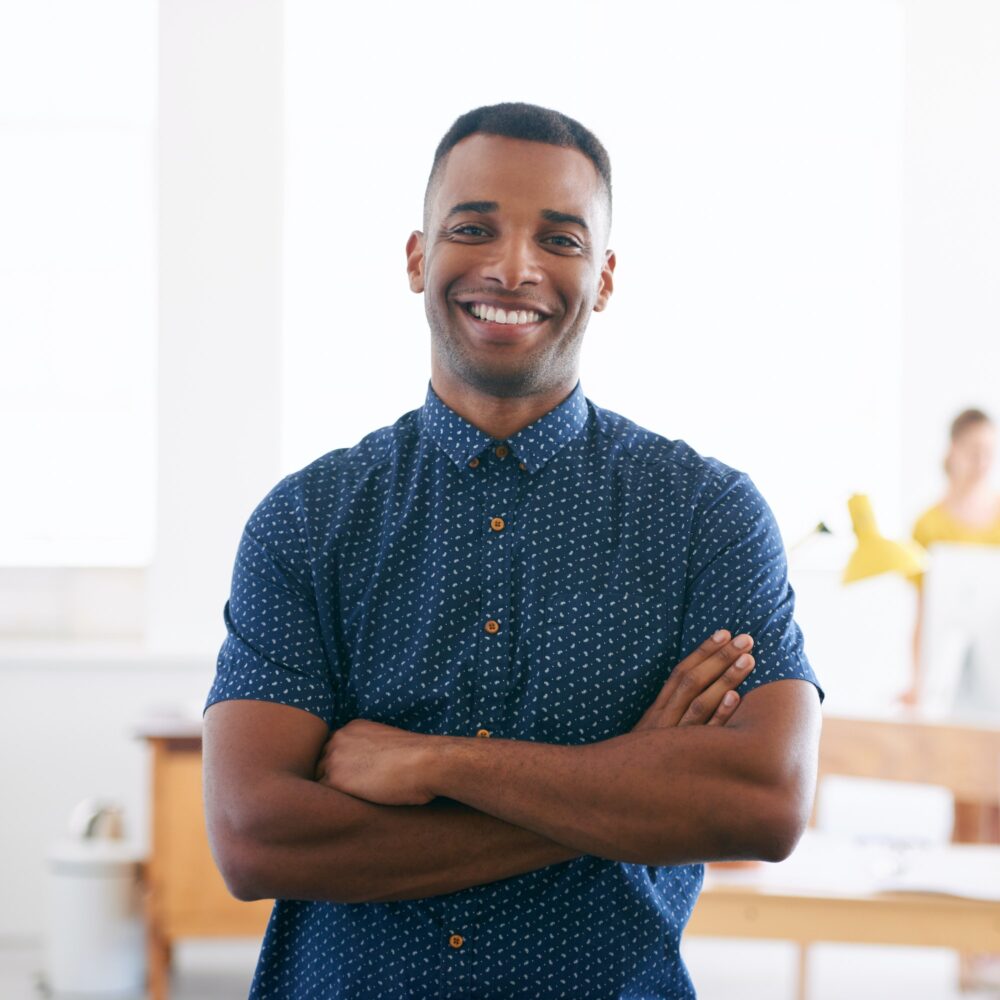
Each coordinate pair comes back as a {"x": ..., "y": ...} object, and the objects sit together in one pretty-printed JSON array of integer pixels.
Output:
[
  {"x": 314, "y": 842},
  {"x": 662, "y": 796}
]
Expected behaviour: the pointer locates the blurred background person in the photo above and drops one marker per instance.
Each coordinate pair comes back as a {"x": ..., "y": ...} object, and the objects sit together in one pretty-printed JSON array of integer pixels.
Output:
[{"x": 968, "y": 512}]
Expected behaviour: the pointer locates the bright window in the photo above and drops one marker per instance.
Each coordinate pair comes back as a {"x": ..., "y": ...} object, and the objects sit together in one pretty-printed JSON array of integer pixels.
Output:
[{"x": 77, "y": 282}]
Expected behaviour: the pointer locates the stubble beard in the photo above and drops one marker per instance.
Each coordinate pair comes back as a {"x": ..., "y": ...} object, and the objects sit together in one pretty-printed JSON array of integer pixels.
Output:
[{"x": 539, "y": 372}]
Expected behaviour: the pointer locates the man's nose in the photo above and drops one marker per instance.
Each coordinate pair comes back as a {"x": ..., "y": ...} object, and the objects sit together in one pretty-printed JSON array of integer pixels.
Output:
[{"x": 514, "y": 262}]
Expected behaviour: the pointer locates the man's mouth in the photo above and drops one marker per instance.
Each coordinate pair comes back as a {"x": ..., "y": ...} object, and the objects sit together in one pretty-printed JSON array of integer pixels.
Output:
[{"x": 502, "y": 317}]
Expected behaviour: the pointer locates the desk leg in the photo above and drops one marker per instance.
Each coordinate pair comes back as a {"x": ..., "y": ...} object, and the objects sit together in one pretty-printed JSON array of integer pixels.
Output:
[
  {"x": 157, "y": 963},
  {"x": 975, "y": 823},
  {"x": 802, "y": 978}
]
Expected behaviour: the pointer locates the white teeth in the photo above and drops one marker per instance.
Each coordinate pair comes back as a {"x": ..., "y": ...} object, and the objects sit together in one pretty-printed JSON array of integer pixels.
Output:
[{"x": 493, "y": 315}]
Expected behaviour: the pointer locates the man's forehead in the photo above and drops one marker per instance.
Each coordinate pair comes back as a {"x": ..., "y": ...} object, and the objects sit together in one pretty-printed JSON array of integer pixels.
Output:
[{"x": 481, "y": 167}]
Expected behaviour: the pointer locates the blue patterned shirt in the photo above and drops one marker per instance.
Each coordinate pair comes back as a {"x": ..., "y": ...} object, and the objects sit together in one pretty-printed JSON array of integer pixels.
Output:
[{"x": 540, "y": 588}]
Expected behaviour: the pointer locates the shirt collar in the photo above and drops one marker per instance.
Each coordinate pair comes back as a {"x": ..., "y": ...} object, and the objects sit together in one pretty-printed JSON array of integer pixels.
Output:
[{"x": 533, "y": 445}]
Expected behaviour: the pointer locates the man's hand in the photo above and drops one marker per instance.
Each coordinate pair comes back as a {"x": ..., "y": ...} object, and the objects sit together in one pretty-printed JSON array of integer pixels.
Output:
[
  {"x": 376, "y": 762},
  {"x": 700, "y": 689}
]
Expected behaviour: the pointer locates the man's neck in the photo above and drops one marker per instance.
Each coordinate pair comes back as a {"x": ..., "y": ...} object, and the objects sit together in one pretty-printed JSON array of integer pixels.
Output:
[{"x": 499, "y": 416}]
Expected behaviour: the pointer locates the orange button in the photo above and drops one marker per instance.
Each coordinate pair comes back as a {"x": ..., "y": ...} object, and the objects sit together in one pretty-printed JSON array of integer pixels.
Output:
[
  {"x": 502, "y": 451},
  {"x": 498, "y": 524},
  {"x": 483, "y": 732},
  {"x": 492, "y": 626},
  {"x": 521, "y": 466},
  {"x": 473, "y": 462},
  {"x": 456, "y": 940}
]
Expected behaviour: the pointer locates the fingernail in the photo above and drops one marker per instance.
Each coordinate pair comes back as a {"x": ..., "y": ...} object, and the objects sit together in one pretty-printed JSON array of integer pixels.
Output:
[
  {"x": 720, "y": 635},
  {"x": 730, "y": 699},
  {"x": 742, "y": 642}
]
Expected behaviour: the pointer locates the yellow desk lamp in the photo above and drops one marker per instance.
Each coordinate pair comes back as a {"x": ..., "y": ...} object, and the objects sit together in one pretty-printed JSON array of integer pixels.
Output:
[{"x": 875, "y": 553}]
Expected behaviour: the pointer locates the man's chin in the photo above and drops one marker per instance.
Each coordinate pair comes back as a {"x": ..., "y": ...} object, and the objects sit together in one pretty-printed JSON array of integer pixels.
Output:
[
  {"x": 503, "y": 374},
  {"x": 504, "y": 381},
  {"x": 502, "y": 384}
]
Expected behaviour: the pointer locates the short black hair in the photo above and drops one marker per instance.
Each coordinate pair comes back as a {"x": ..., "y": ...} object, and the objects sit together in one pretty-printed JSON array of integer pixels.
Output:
[{"x": 517, "y": 120}]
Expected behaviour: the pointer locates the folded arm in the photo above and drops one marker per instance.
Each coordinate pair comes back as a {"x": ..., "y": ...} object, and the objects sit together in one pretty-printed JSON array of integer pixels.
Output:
[
  {"x": 658, "y": 796},
  {"x": 276, "y": 832}
]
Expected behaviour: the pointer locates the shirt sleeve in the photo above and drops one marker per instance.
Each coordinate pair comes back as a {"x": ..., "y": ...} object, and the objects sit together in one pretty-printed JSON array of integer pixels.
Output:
[
  {"x": 274, "y": 648},
  {"x": 738, "y": 580}
]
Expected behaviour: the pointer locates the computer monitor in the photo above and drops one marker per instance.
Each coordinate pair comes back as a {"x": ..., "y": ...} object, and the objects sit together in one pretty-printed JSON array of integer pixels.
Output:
[{"x": 959, "y": 651}]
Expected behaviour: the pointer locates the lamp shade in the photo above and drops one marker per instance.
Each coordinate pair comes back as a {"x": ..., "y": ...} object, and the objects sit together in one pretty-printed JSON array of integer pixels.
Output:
[{"x": 876, "y": 554}]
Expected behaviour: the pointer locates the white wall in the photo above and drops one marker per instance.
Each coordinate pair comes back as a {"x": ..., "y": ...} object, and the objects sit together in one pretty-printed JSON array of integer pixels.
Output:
[
  {"x": 859, "y": 637},
  {"x": 757, "y": 227},
  {"x": 951, "y": 232},
  {"x": 66, "y": 712},
  {"x": 219, "y": 406}
]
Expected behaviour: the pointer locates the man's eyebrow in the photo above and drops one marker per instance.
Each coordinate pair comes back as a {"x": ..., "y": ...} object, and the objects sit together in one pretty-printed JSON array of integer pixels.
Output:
[
  {"x": 553, "y": 216},
  {"x": 485, "y": 207},
  {"x": 474, "y": 206}
]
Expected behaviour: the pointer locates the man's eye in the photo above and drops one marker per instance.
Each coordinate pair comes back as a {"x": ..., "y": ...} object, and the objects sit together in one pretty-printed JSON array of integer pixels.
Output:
[
  {"x": 468, "y": 225},
  {"x": 570, "y": 242}
]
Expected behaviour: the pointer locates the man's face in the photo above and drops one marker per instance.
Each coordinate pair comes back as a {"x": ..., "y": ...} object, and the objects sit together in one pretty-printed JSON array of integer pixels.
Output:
[{"x": 519, "y": 226}]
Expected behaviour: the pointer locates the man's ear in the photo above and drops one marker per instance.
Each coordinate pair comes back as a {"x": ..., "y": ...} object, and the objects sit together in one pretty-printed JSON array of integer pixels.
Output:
[
  {"x": 415, "y": 260},
  {"x": 607, "y": 285}
]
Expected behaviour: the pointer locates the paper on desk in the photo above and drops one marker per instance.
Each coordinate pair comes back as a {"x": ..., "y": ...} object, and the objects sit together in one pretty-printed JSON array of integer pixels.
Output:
[
  {"x": 968, "y": 870},
  {"x": 823, "y": 863}
]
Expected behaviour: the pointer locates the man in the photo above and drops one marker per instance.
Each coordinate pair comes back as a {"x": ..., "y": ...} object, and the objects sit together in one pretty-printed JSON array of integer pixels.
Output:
[{"x": 503, "y": 607}]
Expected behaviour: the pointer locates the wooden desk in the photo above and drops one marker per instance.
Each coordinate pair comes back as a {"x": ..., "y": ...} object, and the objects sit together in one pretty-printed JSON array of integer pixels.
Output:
[
  {"x": 185, "y": 894},
  {"x": 964, "y": 759},
  {"x": 829, "y": 891}
]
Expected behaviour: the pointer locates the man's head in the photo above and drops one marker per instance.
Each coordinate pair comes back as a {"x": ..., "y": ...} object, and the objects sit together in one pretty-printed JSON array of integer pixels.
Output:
[
  {"x": 517, "y": 214},
  {"x": 530, "y": 122}
]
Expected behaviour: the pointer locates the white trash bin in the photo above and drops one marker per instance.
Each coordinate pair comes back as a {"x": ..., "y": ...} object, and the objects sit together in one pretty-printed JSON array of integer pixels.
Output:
[{"x": 96, "y": 941}]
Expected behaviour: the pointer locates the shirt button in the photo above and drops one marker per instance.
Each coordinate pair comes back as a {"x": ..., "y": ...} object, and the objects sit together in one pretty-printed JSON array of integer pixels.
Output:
[
  {"x": 502, "y": 451},
  {"x": 473, "y": 462},
  {"x": 483, "y": 732},
  {"x": 456, "y": 940},
  {"x": 498, "y": 524},
  {"x": 492, "y": 626},
  {"x": 521, "y": 466}
]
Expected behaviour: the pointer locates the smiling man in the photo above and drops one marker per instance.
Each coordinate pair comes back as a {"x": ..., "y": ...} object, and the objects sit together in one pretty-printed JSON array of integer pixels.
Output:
[{"x": 485, "y": 704}]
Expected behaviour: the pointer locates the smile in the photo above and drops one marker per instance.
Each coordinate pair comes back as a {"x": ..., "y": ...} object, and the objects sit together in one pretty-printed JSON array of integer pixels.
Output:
[{"x": 492, "y": 314}]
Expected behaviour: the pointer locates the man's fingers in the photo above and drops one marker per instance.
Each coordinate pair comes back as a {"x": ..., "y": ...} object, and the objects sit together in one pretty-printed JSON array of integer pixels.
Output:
[
  {"x": 696, "y": 672},
  {"x": 728, "y": 705},
  {"x": 705, "y": 706}
]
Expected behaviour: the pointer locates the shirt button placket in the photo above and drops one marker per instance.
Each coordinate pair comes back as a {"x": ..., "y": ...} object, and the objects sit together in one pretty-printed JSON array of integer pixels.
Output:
[
  {"x": 456, "y": 949},
  {"x": 499, "y": 498}
]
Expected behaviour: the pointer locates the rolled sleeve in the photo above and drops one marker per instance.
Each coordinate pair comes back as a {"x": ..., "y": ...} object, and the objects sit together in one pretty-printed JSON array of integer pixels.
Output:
[
  {"x": 274, "y": 648},
  {"x": 738, "y": 580}
]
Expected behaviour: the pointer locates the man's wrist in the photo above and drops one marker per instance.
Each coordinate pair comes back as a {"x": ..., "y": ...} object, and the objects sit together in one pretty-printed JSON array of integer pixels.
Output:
[{"x": 443, "y": 755}]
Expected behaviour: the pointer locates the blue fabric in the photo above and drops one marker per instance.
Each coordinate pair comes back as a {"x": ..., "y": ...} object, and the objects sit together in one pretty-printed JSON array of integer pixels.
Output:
[{"x": 362, "y": 586}]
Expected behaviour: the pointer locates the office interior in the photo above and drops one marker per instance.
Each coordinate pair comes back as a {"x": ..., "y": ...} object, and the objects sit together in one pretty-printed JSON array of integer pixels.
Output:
[{"x": 202, "y": 289}]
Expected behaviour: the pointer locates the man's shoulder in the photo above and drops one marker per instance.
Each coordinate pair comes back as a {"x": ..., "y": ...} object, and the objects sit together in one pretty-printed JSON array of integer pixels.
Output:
[
  {"x": 355, "y": 462},
  {"x": 326, "y": 483},
  {"x": 634, "y": 443}
]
